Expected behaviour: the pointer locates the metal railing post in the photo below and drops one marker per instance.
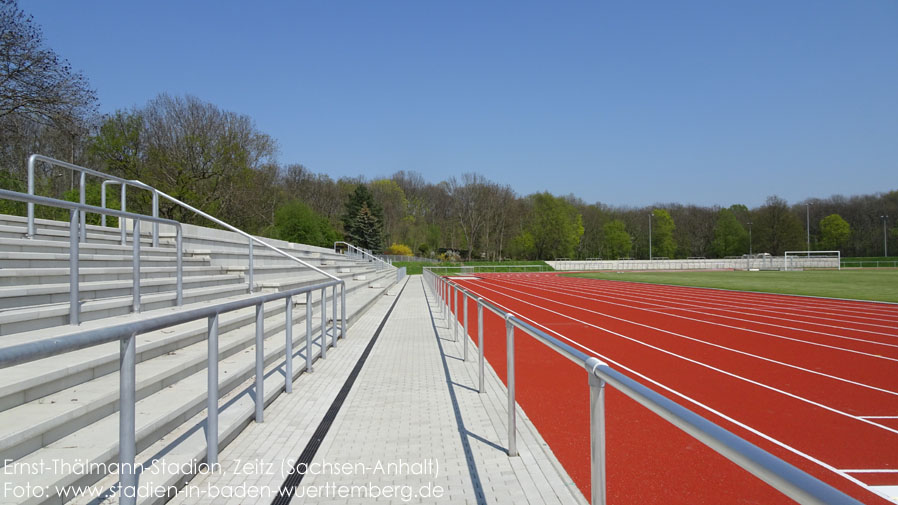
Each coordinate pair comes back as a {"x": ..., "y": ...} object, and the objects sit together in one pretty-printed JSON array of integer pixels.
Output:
[
  {"x": 323, "y": 323},
  {"x": 334, "y": 315},
  {"x": 135, "y": 269},
  {"x": 343, "y": 308},
  {"x": 597, "y": 439},
  {"x": 464, "y": 333},
  {"x": 309, "y": 331},
  {"x": 103, "y": 202},
  {"x": 260, "y": 361},
  {"x": 509, "y": 361},
  {"x": 455, "y": 310},
  {"x": 127, "y": 450},
  {"x": 74, "y": 274},
  {"x": 122, "y": 224},
  {"x": 288, "y": 330},
  {"x": 29, "y": 231},
  {"x": 212, "y": 396},
  {"x": 250, "y": 265},
  {"x": 180, "y": 260},
  {"x": 83, "y": 198},
  {"x": 480, "y": 340},
  {"x": 155, "y": 214}
]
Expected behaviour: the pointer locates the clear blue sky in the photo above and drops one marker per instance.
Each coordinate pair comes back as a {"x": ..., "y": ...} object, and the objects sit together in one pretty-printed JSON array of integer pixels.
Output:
[{"x": 623, "y": 102}]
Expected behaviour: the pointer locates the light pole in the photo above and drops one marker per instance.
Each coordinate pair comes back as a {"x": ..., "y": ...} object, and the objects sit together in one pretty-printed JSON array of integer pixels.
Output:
[
  {"x": 808, "y": 216},
  {"x": 885, "y": 243},
  {"x": 749, "y": 239},
  {"x": 650, "y": 236}
]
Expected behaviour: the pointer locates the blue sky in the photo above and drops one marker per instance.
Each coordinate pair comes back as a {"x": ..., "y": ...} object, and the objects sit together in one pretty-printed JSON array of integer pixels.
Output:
[{"x": 623, "y": 102}]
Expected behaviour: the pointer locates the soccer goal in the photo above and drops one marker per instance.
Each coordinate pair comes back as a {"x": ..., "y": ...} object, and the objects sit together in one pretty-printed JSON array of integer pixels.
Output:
[{"x": 805, "y": 260}]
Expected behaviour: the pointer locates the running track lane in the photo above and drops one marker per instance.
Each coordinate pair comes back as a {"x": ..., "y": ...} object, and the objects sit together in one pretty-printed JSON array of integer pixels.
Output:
[{"x": 649, "y": 459}]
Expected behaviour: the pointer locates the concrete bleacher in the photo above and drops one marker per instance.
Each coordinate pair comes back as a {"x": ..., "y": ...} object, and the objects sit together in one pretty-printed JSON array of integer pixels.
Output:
[{"x": 65, "y": 408}]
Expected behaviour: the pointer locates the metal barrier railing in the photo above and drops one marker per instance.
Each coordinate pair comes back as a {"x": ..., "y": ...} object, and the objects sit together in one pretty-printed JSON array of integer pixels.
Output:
[
  {"x": 35, "y": 158},
  {"x": 361, "y": 254},
  {"x": 127, "y": 334},
  {"x": 110, "y": 179},
  {"x": 782, "y": 476},
  {"x": 77, "y": 233}
]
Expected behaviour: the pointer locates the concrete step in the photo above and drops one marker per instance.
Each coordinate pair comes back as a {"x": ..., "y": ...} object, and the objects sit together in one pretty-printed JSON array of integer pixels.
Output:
[
  {"x": 167, "y": 409},
  {"x": 17, "y": 320},
  {"x": 62, "y": 247},
  {"x": 47, "y": 294},
  {"x": 61, "y": 260},
  {"x": 107, "y": 236},
  {"x": 59, "y": 230},
  {"x": 34, "y": 276},
  {"x": 39, "y": 378},
  {"x": 277, "y": 272}
]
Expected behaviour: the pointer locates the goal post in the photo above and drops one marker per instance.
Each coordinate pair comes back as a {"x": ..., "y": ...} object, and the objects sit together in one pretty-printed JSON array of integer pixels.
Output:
[{"x": 804, "y": 260}]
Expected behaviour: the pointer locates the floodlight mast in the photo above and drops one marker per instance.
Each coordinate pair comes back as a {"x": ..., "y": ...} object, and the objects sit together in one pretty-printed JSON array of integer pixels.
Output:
[
  {"x": 651, "y": 215},
  {"x": 885, "y": 242}
]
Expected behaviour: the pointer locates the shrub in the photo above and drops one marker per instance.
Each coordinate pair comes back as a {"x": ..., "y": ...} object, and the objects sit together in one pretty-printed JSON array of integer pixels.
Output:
[{"x": 399, "y": 250}]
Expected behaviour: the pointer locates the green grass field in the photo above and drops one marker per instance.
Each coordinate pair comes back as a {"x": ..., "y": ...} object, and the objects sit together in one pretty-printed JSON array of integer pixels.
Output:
[
  {"x": 414, "y": 267},
  {"x": 878, "y": 285}
]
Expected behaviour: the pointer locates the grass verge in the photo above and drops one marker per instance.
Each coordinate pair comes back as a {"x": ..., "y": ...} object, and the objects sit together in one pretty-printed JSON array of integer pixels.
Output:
[{"x": 876, "y": 285}]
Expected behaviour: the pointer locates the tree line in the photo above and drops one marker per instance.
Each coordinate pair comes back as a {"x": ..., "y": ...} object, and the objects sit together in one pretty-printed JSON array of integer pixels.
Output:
[{"x": 218, "y": 161}]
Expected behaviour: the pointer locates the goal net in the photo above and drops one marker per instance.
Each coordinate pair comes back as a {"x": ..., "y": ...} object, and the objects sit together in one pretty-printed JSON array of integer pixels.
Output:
[{"x": 805, "y": 260}]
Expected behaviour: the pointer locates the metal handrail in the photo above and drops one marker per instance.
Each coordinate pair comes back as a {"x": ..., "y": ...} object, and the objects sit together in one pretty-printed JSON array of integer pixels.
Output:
[
  {"x": 75, "y": 233},
  {"x": 782, "y": 476},
  {"x": 364, "y": 253},
  {"x": 34, "y": 158},
  {"x": 127, "y": 333},
  {"x": 462, "y": 269}
]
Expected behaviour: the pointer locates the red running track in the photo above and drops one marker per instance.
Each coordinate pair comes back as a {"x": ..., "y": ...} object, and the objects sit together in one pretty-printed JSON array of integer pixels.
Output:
[{"x": 811, "y": 380}]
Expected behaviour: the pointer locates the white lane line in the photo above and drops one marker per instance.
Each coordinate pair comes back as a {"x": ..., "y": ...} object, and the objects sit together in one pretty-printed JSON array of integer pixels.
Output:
[
  {"x": 699, "y": 363},
  {"x": 879, "y": 417},
  {"x": 779, "y": 307},
  {"x": 773, "y": 300},
  {"x": 739, "y": 328},
  {"x": 697, "y": 403},
  {"x": 871, "y": 470},
  {"x": 642, "y": 299}
]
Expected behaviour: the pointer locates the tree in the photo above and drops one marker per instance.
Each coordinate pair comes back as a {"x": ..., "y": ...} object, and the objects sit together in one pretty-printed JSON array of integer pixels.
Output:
[
  {"x": 366, "y": 230},
  {"x": 470, "y": 200},
  {"x": 391, "y": 198},
  {"x": 776, "y": 229},
  {"x": 44, "y": 105},
  {"x": 555, "y": 226},
  {"x": 34, "y": 81},
  {"x": 834, "y": 232},
  {"x": 663, "y": 243},
  {"x": 617, "y": 242},
  {"x": 730, "y": 238},
  {"x": 296, "y": 222}
]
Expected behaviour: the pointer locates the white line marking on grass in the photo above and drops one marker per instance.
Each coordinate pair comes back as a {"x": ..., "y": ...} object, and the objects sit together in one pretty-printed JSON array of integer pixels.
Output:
[{"x": 697, "y": 403}]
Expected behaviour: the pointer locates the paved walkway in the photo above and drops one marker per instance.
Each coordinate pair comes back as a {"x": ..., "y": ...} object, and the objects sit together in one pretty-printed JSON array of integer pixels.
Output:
[{"x": 412, "y": 429}]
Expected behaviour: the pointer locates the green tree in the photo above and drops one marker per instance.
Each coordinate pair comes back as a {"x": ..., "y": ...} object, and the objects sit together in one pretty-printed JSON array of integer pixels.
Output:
[
  {"x": 730, "y": 238},
  {"x": 555, "y": 225},
  {"x": 617, "y": 242},
  {"x": 296, "y": 222},
  {"x": 118, "y": 146},
  {"x": 776, "y": 229},
  {"x": 366, "y": 230},
  {"x": 663, "y": 243},
  {"x": 834, "y": 232},
  {"x": 363, "y": 220}
]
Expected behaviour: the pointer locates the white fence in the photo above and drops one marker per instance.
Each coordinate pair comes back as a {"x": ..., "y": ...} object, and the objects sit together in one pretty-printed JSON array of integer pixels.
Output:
[{"x": 765, "y": 263}]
